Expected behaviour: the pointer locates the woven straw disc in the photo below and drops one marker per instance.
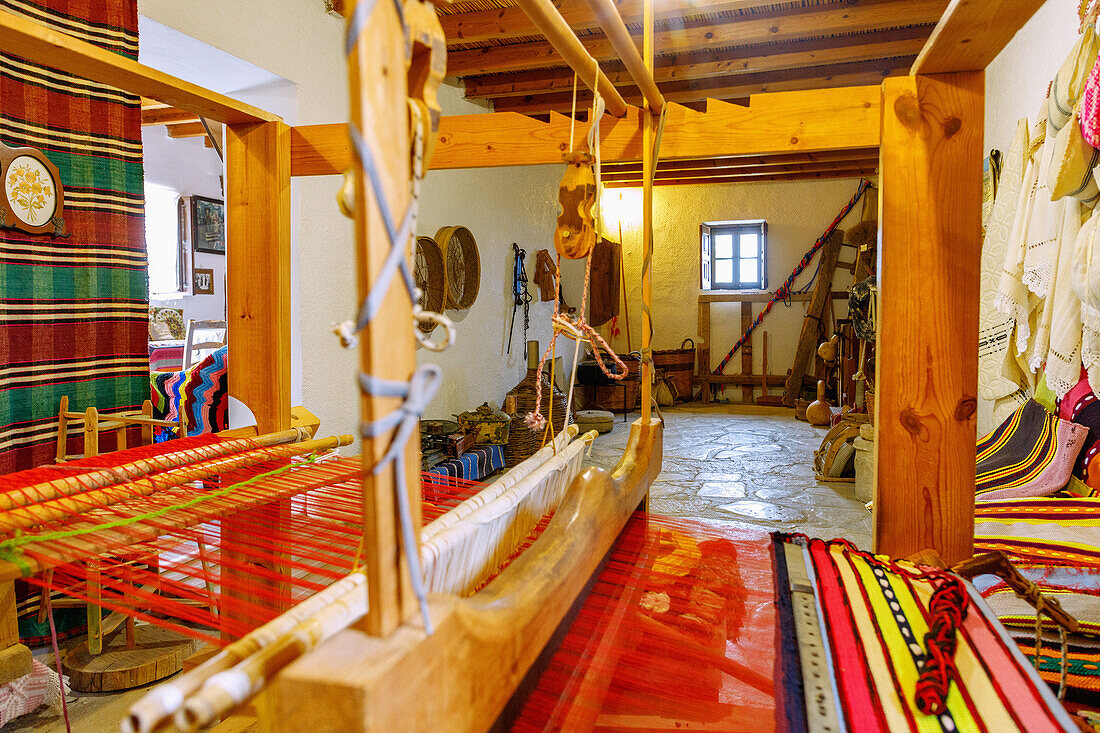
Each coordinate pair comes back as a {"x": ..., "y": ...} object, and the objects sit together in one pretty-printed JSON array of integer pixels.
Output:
[
  {"x": 463, "y": 266},
  {"x": 430, "y": 275}
]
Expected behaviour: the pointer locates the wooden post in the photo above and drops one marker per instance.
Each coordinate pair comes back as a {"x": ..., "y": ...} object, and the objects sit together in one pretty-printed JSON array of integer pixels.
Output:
[
  {"x": 746, "y": 350},
  {"x": 257, "y": 195},
  {"x": 647, "y": 222},
  {"x": 703, "y": 350},
  {"x": 257, "y": 249},
  {"x": 377, "y": 79},
  {"x": 91, "y": 432},
  {"x": 927, "y": 349}
]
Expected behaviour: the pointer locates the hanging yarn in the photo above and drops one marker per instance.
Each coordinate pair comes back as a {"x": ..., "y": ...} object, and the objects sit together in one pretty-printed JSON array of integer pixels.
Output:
[{"x": 784, "y": 290}]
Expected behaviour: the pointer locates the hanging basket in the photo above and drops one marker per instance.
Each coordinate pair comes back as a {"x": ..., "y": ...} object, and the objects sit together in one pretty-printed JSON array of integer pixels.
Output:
[
  {"x": 430, "y": 274},
  {"x": 463, "y": 266}
]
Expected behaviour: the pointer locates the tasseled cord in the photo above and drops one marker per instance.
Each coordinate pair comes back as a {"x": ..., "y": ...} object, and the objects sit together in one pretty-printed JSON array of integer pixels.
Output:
[{"x": 947, "y": 608}]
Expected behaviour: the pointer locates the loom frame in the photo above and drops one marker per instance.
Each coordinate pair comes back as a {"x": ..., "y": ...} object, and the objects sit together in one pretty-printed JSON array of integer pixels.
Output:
[{"x": 928, "y": 128}]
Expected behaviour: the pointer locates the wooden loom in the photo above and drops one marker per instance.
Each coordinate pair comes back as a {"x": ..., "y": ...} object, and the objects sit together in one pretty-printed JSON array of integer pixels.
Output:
[{"x": 928, "y": 128}]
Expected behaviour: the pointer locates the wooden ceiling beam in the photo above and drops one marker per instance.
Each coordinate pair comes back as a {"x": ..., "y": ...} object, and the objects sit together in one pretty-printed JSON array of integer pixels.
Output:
[
  {"x": 187, "y": 129},
  {"x": 970, "y": 34},
  {"x": 736, "y": 172},
  {"x": 829, "y": 20},
  {"x": 507, "y": 23},
  {"x": 786, "y": 123},
  {"x": 165, "y": 116},
  {"x": 897, "y": 43},
  {"x": 701, "y": 180},
  {"x": 811, "y": 78},
  {"x": 748, "y": 162}
]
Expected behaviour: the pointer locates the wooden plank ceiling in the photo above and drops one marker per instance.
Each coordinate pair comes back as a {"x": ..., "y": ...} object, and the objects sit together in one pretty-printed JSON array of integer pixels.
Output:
[{"x": 705, "y": 49}]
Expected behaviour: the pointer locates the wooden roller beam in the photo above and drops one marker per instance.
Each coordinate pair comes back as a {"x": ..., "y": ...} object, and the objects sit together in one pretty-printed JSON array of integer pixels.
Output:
[
  {"x": 568, "y": 48},
  {"x": 740, "y": 172},
  {"x": 619, "y": 36},
  {"x": 747, "y": 162}
]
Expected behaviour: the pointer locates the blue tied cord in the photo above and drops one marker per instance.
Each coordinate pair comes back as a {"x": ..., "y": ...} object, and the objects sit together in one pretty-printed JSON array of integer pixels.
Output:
[
  {"x": 417, "y": 393},
  {"x": 420, "y": 389}
]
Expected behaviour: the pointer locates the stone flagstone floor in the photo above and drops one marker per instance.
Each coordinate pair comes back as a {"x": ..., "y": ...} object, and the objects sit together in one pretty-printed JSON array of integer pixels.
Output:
[{"x": 745, "y": 466}]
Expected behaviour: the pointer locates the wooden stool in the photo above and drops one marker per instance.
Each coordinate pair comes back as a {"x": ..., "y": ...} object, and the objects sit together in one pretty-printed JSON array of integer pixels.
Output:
[{"x": 116, "y": 422}]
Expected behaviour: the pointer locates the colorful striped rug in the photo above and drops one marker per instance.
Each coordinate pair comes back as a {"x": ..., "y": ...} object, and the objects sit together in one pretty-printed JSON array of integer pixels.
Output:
[
  {"x": 73, "y": 311},
  {"x": 873, "y": 617}
]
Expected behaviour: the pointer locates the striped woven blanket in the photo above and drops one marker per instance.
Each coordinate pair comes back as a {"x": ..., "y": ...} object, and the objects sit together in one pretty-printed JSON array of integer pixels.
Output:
[
  {"x": 73, "y": 311},
  {"x": 1032, "y": 453},
  {"x": 872, "y": 617}
]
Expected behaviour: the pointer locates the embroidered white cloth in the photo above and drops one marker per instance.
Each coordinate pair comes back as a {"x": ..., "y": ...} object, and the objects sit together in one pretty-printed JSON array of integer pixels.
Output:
[
  {"x": 1086, "y": 287},
  {"x": 1063, "y": 357},
  {"x": 999, "y": 374},
  {"x": 31, "y": 691}
]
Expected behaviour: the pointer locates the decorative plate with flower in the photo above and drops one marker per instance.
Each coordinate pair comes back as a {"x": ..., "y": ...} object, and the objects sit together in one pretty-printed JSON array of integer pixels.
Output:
[
  {"x": 31, "y": 191},
  {"x": 32, "y": 197}
]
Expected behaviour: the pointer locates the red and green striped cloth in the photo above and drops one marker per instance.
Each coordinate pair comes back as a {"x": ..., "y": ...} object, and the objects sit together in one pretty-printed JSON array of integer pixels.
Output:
[{"x": 73, "y": 310}]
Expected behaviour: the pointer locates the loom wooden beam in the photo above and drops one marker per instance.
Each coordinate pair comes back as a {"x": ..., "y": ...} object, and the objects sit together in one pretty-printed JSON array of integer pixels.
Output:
[
  {"x": 511, "y": 22},
  {"x": 755, "y": 29},
  {"x": 777, "y": 123},
  {"x": 860, "y": 74},
  {"x": 35, "y": 42},
  {"x": 378, "y": 84},
  {"x": 970, "y": 34},
  {"x": 460, "y": 678},
  {"x": 257, "y": 163},
  {"x": 649, "y": 164},
  {"x": 927, "y": 349},
  {"x": 640, "y": 71},
  {"x": 734, "y": 62},
  {"x": 567, "y": 47}
]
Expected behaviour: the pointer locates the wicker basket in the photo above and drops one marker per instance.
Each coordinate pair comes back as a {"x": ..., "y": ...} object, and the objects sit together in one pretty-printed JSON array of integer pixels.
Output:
[
  {"x": 522, "y": 441},
  {"x": 679, "y": 366},
  {"x": 621, "y": 396}
]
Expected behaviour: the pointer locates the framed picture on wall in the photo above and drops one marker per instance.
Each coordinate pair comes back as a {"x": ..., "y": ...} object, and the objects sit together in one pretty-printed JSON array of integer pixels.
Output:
[
  {"x": 204, "y": 281},
  {"x": 208, "y": 225}
]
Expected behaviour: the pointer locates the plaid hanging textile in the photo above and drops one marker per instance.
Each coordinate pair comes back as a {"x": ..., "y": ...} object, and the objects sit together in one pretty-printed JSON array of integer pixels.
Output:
[{"x": 73, "y": 310}]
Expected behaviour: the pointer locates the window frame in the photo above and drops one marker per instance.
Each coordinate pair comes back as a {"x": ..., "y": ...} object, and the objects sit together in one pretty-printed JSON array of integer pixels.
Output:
[
  {"x": 708, "y": 231},
  {"x": 182, "y": 266}
]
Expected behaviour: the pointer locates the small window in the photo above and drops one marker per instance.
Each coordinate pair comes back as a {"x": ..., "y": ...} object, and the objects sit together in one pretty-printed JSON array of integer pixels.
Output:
[
  {"x": 163, "y": 243},
  {"x": 733, "y": 255}
]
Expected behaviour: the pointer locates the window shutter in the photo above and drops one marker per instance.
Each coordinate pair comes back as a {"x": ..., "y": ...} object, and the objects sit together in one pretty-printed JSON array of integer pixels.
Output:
[
  {"x": 763, "y": 255},
  {"x": 704, "y": 257}
]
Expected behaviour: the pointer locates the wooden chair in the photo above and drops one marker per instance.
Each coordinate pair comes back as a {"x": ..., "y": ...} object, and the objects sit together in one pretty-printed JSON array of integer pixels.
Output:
[
  {"x": 191, "y": 345},
  {"x": 116, "y": 422}
]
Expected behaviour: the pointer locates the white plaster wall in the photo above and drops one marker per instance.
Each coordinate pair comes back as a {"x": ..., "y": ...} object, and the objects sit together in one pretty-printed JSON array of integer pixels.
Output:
[
  {"x": 499, "y": 206},
  {"x": 298, "y": 41},
  {"x": 187, "y": 167},
  {"x": 1016, "y": 81},
  {"x": 796, "y": 211}
]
